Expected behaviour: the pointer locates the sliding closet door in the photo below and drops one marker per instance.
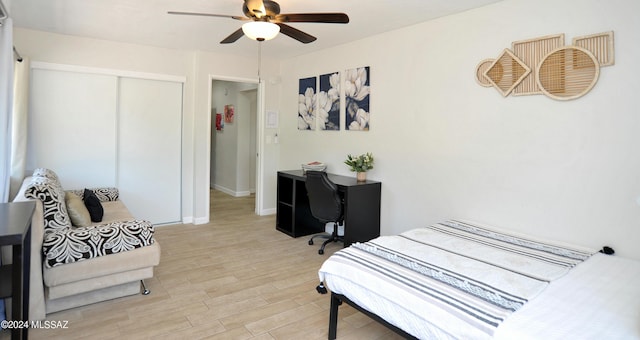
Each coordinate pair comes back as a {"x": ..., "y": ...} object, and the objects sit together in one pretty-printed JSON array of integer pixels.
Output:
[
  {"x": 100, "y": 129},
  {"x": 149, "y": 148},
  {"x": 72, "y": 126}
]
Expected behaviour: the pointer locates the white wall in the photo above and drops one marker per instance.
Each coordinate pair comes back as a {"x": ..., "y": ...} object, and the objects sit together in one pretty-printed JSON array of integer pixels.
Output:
[
  {"x": 198, "y": 68},
  {"x": 252, "y": 98},
  {"x": 446, "y": 147},
  {"x": 245, "y": 120},
  {"x": 226, "y": 140}
]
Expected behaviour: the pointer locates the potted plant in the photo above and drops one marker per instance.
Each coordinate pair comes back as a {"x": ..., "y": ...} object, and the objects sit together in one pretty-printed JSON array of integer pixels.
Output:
[{"x": 360, "y": 164}]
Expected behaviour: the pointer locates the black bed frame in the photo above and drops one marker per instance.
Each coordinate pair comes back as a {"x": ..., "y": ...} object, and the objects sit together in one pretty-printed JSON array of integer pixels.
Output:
[{"x": 336, "y": 301}]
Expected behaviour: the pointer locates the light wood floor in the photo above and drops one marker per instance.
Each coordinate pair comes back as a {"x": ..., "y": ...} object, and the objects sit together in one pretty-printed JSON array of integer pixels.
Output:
[{"x": 234, "y": 278}]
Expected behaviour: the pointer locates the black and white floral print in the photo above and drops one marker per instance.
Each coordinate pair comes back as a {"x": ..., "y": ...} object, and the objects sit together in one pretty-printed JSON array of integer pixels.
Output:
[
  {"x": 307, "y": 104},
  {"x": 107, "y": 194},
  {"x": 356, "y": 90},
  {"x": 76, "y": 244},
  {"x": 328, "y": 110},
  {"x": 51, "y": 194},
  {"x": 47, "y": 173},
  {"x": 66, "y": 244}
]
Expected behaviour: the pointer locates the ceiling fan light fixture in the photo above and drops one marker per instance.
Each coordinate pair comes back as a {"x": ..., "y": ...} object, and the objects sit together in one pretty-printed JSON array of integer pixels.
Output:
[{"x": 260, "y": 30}]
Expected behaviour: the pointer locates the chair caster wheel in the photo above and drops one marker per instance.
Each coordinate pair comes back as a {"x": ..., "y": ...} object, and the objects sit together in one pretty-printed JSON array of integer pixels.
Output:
[
  {"x": 320, "y": 251},
  {"x": 310, "y": 242}
]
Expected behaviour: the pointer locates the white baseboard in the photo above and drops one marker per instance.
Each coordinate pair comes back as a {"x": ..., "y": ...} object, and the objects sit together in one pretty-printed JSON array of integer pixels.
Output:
[
  {"x": 201, "y": 220},
  {"x": 265, "y": 212},
  {"x": 167, "y": 224},
  {"x": 232, "y": 192},
  {"x": 223, "y": 189},
  {"x": 187, "y": 219}
]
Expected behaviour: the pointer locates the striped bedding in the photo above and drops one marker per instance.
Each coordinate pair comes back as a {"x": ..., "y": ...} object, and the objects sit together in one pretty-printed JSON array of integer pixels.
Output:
[{"x": 462, "y": 279}]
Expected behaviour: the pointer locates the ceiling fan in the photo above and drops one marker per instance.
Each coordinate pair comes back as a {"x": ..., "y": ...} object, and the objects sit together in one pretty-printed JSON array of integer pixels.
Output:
[{"x": 264, "y": 21}]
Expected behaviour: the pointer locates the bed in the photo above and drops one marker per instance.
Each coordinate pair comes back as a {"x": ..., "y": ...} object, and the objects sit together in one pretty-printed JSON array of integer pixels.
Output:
[{"x": 461, "y": 280}]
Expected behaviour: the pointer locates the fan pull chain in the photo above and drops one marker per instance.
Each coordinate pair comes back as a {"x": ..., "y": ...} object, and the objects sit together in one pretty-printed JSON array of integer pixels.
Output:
[{"x": 259, "y": 59}]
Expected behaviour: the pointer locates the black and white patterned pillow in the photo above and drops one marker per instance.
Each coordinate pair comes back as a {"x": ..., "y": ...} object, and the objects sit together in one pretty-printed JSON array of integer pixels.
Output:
[
  {"x": 47, "y": 173},
  {"x": 77, "y": 244},
  {"x": 52, "y": 196},
  {"x": 107, "y": 194}
]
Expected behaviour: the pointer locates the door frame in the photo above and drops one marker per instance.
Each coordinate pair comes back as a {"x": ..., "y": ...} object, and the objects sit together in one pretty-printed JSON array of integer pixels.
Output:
[{"x": 259, "y": 138}]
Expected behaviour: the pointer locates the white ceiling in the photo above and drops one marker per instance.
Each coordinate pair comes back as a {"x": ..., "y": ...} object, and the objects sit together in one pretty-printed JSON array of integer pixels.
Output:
[{"x": 147, "y": 22}]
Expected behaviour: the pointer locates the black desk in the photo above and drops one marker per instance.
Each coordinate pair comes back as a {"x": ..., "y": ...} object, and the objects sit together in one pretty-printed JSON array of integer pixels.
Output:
[
  {"x": 361, "y": 207},
  {"x": 15, "y": 231}
]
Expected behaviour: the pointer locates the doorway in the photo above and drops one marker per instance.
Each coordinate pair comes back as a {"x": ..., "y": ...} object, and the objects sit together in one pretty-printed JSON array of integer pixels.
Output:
[{"x": 234, "y": 110}]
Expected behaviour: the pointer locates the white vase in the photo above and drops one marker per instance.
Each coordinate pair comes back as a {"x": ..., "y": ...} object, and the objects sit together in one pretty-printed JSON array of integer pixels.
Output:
[{"x": 361, "y": 176}]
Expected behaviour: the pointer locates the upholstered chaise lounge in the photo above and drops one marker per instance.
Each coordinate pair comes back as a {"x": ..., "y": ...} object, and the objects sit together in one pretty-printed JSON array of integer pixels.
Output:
[{"x": 72, "y": 265}]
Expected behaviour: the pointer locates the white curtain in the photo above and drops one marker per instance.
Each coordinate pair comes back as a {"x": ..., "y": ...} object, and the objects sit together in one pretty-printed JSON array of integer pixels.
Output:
[
  {"x": 6, "y": 104},
  {"x": 6, "y": 98},
  {"x": 19, "y": 124}
]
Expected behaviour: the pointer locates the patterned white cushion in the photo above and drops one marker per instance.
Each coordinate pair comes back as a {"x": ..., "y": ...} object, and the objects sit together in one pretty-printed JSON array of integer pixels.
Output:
[
  {"x": 107, "y": 194},
  {"x": 76, "y": 244},
  {"x": 47, "y": 173},
  {"x": 52, "y": 196}
]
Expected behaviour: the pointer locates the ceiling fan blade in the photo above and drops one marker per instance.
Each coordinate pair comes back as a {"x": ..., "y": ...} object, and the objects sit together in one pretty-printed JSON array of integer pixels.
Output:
[
  {"x": 233, "y": 37},
  {"x": 330, "y": 18},
  {"x": 296, "y": 34},
  {"x": 209, "y": 15}
]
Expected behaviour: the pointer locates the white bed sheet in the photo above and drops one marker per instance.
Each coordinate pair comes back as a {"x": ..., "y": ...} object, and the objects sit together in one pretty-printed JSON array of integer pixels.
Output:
[
  {"x": 597, "y": 299},
  {"x": 390, "y": 310}
]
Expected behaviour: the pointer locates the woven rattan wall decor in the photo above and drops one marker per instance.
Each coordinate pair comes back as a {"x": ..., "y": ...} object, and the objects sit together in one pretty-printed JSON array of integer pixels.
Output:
[
  {"x": 506, "y": 72},
  {"x": 481, "y": 69},
  {"x": 544, "y": 65},
  {"x": 568, "y": 73},
  {"x": 600, "y": 45},
  {"x": 531, "y": 53}
]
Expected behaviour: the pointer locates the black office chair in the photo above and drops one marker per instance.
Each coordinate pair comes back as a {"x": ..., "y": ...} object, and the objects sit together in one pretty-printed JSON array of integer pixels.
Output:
[{"x": 326, "y": 205}]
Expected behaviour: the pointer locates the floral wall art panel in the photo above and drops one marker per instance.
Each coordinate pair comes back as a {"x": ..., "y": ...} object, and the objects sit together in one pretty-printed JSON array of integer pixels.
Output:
[
  {"x": 356, "y": 91},
  {"x": 329, "y": 102},
  {"x": 229, "y": 112},
  {"x": 307, "y": 101}
]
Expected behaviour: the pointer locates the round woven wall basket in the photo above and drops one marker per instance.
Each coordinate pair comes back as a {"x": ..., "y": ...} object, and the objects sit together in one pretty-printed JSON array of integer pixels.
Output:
[
  {"x": 567, "y": 73},
  {"x": 482, "y": 67}
]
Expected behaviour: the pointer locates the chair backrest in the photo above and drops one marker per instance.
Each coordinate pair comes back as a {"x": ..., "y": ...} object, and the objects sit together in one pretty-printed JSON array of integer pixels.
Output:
[{"x": 324, "y": 199}]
